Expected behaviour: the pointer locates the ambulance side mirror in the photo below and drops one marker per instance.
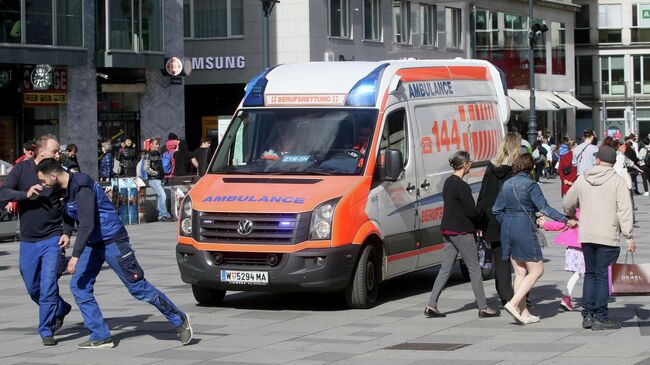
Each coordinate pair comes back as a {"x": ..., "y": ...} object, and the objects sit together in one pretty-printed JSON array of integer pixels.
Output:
[{"x": 393, "y": 165}]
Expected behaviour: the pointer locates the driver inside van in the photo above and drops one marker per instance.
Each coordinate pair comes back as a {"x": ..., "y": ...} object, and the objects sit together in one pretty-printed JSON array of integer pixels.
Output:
[
  {"x": 282, "y": 143},
  {"x": 362, "y": 143}
]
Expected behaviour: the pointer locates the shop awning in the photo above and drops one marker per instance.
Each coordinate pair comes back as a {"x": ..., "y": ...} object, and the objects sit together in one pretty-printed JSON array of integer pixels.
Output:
[
  {"x": 522, "y": 97},
  {"x": 514, "y": 106},
  {"x": 556, "y": 101},
  {"x": 570, "y": 99}
]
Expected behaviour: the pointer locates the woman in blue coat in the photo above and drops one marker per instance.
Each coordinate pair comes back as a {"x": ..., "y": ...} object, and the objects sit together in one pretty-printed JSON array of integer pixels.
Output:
[{"x": 515, "y": 208}]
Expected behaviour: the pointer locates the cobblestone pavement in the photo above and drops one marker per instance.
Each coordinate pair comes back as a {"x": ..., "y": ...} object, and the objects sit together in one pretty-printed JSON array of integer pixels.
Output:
[{"x": 310, "y": 329}]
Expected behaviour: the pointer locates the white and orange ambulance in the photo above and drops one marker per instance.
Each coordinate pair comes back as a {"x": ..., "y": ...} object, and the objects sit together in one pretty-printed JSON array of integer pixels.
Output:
[{"x": 330, "y": 175}]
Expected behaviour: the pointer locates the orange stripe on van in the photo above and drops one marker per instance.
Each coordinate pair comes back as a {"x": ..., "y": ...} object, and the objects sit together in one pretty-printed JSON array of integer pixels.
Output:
[
  {"x": 421, "y": 251},
  {"x": 472, "y": 112},
  {"x": 424, "y": 74},
  {"x": 469, "y": 73},
  {"x": 475, "y": 145},
  {"x": 461, "y": 113},
  {"x": 466, "y": 141}
]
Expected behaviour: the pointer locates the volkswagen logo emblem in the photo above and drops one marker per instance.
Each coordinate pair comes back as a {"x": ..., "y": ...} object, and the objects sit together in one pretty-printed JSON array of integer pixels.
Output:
[{"x": 245, "y": 227}]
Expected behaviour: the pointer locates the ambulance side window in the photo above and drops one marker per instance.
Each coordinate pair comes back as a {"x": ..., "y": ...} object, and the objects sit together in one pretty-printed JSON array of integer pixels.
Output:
[{"x": 394, "y": 135}]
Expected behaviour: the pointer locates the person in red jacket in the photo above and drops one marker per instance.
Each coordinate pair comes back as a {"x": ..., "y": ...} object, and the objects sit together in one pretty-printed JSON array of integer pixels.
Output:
[{"x": 567, "y": 171}]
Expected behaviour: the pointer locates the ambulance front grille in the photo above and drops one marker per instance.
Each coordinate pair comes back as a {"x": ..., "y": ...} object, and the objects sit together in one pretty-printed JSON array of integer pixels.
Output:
[{"x": 283, "y": 229}]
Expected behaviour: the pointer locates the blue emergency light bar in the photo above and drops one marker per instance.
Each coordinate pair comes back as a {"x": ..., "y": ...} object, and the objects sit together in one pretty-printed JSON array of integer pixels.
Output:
[
  {"x": 364, "y": 92},
  {"x": 255, "y": 89}
]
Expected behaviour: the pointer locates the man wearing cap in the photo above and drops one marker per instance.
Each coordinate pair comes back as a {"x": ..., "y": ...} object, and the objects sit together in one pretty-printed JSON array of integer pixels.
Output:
[
  {"x": 583, "y": 155},
  {"x": 605, "y": 212}
]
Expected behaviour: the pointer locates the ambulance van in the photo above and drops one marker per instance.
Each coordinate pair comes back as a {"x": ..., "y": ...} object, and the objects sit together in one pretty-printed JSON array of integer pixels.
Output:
[{"x": 329, "y": 177}]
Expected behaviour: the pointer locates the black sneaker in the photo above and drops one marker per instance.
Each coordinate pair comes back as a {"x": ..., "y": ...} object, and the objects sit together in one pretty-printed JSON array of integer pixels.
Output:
[
  {"x": 605, "y": 325},
  {"x": 184, "y": 331},
  {"x": 49, "y": 341},
  {"x": 587, "y": 321},
  {"x": 58, "y": 323},
  {"x": 100, "y": 344},
  {"x": 433, "y": 313}
]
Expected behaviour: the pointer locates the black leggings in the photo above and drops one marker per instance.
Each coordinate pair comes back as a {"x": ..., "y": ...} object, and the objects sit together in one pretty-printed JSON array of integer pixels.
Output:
[{"x": 502, "y": 273}]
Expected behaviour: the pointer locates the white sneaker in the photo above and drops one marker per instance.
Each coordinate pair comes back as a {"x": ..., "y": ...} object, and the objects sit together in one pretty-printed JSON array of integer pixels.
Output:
[{"x": 647, "y": 193}]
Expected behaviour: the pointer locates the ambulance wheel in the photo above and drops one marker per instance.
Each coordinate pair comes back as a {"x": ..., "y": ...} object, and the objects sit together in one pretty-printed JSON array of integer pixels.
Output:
[
  {"x": 207, "y": 296},
  {"x": 486, "y": 274},
  {"x": 362, "y": 291}
]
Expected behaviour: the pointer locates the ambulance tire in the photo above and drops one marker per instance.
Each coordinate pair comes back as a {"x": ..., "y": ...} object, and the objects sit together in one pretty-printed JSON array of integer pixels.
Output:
[
  {"x": 487, "y": 274},
  {"x": 207, "y": 296},
  {"x": 362, "y": 291}
]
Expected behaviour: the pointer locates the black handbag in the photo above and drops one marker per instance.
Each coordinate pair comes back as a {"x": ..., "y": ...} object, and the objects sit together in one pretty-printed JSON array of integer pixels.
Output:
[{"x": 566, "y": 170}]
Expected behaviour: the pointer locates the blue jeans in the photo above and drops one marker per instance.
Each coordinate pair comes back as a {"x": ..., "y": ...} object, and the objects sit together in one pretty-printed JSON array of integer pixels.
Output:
[
  {"x": 157, "y": 186},
  {"x": 596, "y": 286},
  {"x": 121, "y": 258},
  {"x": 40, "y": 266}
]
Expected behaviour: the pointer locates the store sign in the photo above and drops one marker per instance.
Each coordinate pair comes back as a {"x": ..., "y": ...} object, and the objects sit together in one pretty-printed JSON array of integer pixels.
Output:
[
  {"x": 41, "y": 77},
  {"x": 117, "y": 116},
  {"x": 6, "y": 76},
  {"x": 124, "y": 88},
  {"x": 36, "y": 98},
  {"x": 218, "y": 63},
  {"x": 174, "y": 66},
  {"x": 644, "y": 15},
  {"x": 58, "y": 83}
]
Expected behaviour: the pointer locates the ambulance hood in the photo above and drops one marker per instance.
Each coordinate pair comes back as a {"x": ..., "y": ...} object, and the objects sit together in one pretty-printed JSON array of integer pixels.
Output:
[{"x": 267, "y": 194}]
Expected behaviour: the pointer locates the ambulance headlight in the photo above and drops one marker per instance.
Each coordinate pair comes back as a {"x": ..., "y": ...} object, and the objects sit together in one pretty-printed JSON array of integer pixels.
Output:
[
  {"x": 185, "y": 220},
  {"x": 321, "y": 221}
]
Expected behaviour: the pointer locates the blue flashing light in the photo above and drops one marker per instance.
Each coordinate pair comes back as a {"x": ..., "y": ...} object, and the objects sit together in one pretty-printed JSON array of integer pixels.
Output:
[
  {"x": 364, "y": 92},
  {"x": 255, "y": 89},
  {"x": 286, "y": 224}
]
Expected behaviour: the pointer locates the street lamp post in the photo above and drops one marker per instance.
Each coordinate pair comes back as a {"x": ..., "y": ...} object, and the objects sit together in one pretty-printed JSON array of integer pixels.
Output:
[
  {"x": 533, "y": 32},
  {"x": 267, "y": 8}
]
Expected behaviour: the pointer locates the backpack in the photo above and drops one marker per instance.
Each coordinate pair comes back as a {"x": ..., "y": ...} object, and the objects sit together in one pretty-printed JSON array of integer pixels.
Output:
[
  {"x": 140, "y": 171},
  {"x": 168, "y": 163}
]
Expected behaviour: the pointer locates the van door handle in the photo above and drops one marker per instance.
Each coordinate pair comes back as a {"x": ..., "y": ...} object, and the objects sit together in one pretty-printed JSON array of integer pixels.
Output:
[
  {"x": 425, "y": 185},
  {"x": 409, "y": 188}
]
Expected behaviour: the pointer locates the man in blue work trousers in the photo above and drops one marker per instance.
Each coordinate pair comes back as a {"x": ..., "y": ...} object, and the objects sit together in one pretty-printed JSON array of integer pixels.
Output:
[
  {"x": 101, "y": 237},
  {"x": 42, "y": 240}
]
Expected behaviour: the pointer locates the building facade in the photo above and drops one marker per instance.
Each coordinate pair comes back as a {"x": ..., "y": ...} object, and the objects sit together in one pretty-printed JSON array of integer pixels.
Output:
[
  {"x": 613, "y": 66},
  {"x": 227, "y": 54},
  {"x": 88, "y": 70}
]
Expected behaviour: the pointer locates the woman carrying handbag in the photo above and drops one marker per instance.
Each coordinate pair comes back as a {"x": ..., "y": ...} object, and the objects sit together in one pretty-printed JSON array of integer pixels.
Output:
[{"x": 458, "y": 227}]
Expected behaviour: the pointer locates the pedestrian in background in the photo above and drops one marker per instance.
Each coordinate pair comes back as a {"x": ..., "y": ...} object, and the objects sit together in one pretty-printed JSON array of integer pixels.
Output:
[
  {"x": 71, "y": 163},
  {"x": 644, "y": 162},
  {"x": 583, "y": 155},
  {"x": 183, "y": 160},
  {"x": 102, "y": 238},
  {"x": 154, "y": 169},
  {"x": 41, "y": 237},
  {"x": 29, "y": 151},
  {"x": 201, "y": 157},
  {"x": 106, "y": 162},
  {"x": 497, "y": 172},
  {"x": 566, "y": 170},
  {"x": 458, "y": 227},
  {"x": 128, "y": 157},
  {"x": 515, "y": 208},
  {"x": 605, "y": 212}
]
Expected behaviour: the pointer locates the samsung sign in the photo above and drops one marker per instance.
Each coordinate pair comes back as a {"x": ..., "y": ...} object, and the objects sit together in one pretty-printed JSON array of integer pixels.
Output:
[{"x": 218, "y": 63}]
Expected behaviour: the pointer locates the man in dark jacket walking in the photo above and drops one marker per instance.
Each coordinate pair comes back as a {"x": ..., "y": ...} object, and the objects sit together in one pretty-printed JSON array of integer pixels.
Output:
[
  {"x": 41, "y": 237},
  {"x": 102, "y": 238}
]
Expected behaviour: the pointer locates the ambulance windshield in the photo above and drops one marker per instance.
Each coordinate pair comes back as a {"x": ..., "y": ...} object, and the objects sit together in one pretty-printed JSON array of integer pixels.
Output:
[{"x": 296, "y": 141}]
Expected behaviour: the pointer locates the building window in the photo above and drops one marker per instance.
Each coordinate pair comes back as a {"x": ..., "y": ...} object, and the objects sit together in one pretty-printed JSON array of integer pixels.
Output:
[
  {"x": 487, "y": 29},
  {"x": 339, "y": 18},
  {"x": 135, "y": 25},
  {"x": 640, "y": 23},
  {"x": 558, "y": 55},
  {"x": 428, "y": 24},
  {"x": 372, "y": 20},
  {"x": 582, "y": 25},
  {"x": 584, "y": 75},
  {"x": 641, "y": 70},
  {"x": 453, "y": 27},
  {"x": 612, "y": 75},
  {"x": 402, "y": 22},
  {"x": 213, "y": 18},
  {"x": 610, "y": 22},
  {"x": 42, "y": 22}
]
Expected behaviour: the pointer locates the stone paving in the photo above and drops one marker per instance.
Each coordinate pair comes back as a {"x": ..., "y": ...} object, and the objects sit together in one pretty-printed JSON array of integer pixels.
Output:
[{"x": 311, "y": 329}]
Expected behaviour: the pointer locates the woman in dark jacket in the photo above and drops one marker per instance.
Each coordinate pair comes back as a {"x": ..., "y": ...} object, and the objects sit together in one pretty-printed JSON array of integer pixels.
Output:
[
  {"x": 183, "y": 160},
  {"x": 566, "y": 170},
  {"x": 497, "y": 172},
  {"x": 515, "y": 208},
  {"x": 459, "y": 221},
  {"x": 128, "y": 157}
]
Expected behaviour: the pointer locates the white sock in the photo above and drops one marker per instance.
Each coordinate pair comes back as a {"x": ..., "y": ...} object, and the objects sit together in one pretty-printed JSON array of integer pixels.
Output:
[{"x": 571, "y": 284}]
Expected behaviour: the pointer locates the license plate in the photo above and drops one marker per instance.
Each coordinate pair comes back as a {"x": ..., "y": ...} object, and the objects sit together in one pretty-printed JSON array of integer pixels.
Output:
[{"x": 245, "y": 277}]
